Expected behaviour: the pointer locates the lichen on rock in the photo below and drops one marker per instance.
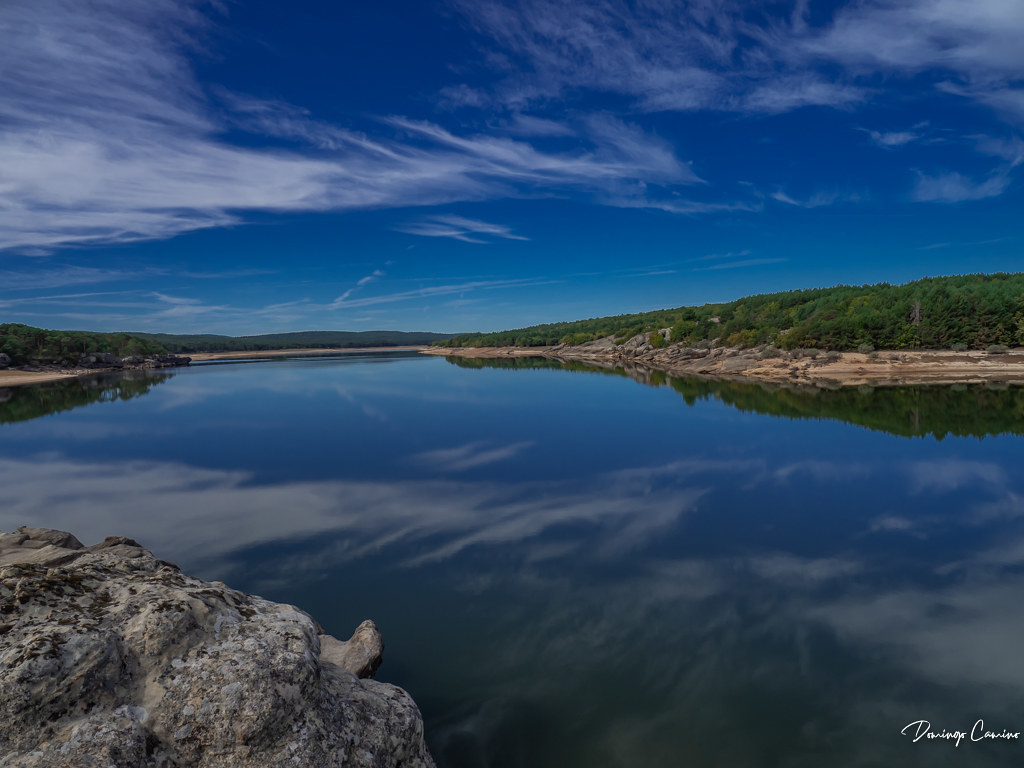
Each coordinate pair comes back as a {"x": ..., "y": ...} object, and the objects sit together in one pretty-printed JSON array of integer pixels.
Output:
[{"x": 112, "y": 657}]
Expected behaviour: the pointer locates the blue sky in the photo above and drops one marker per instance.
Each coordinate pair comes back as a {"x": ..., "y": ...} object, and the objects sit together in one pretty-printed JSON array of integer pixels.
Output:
[{"x": 455, "y": 165}]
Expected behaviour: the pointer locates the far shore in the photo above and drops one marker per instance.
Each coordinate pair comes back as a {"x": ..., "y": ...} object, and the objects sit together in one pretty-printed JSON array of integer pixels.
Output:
[
  {"x": 16, "y": 378},
  {"x": 206, "y": 356},
  {"x": 826, "y": 369}
]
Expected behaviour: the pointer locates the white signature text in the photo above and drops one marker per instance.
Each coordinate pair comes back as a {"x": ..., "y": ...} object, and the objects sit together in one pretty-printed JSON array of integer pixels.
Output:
[{"x": 922, "y": 729}]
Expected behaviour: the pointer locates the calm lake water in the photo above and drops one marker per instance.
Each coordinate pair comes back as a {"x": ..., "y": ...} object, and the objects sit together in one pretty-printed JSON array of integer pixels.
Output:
[{"x": 571, "y": 568}]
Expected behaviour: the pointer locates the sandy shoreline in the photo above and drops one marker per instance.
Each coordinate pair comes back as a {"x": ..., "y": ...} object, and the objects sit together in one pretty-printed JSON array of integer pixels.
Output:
[
  {"x": 882, "y": 368},
  {"x": 22, "y": 378}
]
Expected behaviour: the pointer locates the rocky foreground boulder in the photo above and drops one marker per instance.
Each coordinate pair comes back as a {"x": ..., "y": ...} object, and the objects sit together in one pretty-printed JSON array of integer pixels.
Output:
[{"x": 110, "y": 657}]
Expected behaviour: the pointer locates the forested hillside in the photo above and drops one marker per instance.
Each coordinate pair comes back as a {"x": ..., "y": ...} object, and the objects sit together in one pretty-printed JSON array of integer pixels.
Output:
[
  {"x": 25, "y": 344},
  {"x": 302, "y": 340},
  {"x": 964, "y": 311}
]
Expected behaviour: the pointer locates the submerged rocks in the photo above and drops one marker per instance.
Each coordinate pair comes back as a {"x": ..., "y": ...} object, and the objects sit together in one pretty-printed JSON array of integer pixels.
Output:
[{"x": 109, "y": 656}]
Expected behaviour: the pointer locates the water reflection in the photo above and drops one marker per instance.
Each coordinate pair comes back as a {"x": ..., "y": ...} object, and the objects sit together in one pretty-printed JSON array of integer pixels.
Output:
[
  {"x": 939, "y": 411},
  {"x": 573, "y": 571},
  {"x": 584, "y": 623},
  {"x": 24, "y": 403},
  {"x": 415, "y": 522}
]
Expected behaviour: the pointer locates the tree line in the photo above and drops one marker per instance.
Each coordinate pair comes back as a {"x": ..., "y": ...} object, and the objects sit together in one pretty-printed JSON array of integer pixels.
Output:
[
  {"x": 962, "y": 311},
  {"x": 185, "y": 343},
  {"x": 26, "y": 345}
]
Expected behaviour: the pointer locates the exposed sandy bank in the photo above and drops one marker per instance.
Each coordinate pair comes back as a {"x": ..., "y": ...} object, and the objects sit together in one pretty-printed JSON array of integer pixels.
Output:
[
  {"x": 88, "y": 365},
  {"x": 21, "y": 378},
  {"x": 883, "y": 368}
]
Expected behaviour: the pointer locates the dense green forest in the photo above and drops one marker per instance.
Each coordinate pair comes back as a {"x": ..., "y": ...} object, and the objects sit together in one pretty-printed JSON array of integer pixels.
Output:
[
  {"x": 27, "y": 345},
  {"x": 300, "y": 340},
  {"x": 936, "y": 411},
  {"x": 964, "y": 311}
]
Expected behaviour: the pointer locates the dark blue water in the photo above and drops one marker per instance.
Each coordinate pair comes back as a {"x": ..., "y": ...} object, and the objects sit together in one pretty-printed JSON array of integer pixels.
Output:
[{"x": 573, "y": 569}]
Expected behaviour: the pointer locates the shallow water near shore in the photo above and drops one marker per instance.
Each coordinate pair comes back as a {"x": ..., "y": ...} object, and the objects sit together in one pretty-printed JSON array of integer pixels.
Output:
[{"x": 571, "y": 568}]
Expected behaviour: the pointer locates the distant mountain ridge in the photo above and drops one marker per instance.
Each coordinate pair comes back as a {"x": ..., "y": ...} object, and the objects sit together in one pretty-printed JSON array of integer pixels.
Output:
[{"x": 206, "y": 342}]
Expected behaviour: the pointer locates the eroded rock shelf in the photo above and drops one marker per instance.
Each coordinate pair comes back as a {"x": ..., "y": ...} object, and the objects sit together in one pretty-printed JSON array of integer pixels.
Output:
[{"x": 112, "y": 657}]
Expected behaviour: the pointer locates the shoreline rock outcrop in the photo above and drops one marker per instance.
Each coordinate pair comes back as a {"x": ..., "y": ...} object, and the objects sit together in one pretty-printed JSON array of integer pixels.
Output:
[
  {"x": 112, "y": 657},
  {"x": 107, "y": 361},
  {"x": 767, "y": 364},
  {"x": 98, "y": 362}
]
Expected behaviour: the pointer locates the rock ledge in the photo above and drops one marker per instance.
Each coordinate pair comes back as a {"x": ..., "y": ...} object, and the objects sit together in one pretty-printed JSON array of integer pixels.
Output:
[{"x": 110, "y": 657}]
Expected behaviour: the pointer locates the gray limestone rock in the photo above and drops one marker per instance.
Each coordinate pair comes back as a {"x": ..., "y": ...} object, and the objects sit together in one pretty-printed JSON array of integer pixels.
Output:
[
  {"x": 165, "y": 361},
  {"x": 111, "y": 657},
  {"x": 361, "y": 654},
  {"x": 636, "y": 344},
  {"x": 100, "y": 360}
]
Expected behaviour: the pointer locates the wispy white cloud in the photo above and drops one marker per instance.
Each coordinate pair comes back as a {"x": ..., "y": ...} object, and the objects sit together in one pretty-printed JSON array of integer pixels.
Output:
[
  {"x": 370, "y": 277},
  {"x": 1008, "y": 101},
  {"x": 62, "y": 276},
  {"x": 953, "y": 187},
  {"x": 144, "y": 310},
  {"x": 816, "y": 200},
  {"x": 229, "y": 274},
  {"x": 1011, "y": 150},
  {"x": 934, "y": 246},
  {"x": 694, "y": 55},
  {"x": 667, "y": 56},
  {"x": 65, "y": 275},
  {"x": 530, "y": 125},
  {"x": 804, "y": 90},
  {"x": 977, "y": 41},
  {"x": 719, "y": 256},
  {"x": 433, "y": 290},
  {"x": 458, "y": 228},
  {"x": 620, "y": 151},
  {"x": 177, "y": 300},
  {"x": 363, "y": 281},
  {"x": 976, "y": 36},
  {"x": 106, "y": 141},
  {"x": 741, "y": 264},
  {"x": 891, "y": 139},
  {"x": 57, "y": 298}
]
